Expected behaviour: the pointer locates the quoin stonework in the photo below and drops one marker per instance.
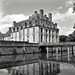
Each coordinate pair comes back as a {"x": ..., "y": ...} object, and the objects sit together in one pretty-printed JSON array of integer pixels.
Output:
[{"x": 39, "y": 28}]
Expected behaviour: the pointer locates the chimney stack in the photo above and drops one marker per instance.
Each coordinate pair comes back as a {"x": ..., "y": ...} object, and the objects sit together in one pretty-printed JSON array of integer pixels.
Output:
[
  {"x": 14, "y": 23},
  {"x": 9, "y": 29},
  {"x": 41, "y": 13},
  {"x": 35, "y": 12},
  {"x": 50, "y": 17}
]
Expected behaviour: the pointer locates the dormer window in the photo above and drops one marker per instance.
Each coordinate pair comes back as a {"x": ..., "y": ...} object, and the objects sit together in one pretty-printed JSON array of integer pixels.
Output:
[
  {"x": 30, "y": 23},
  {"x": 21, "y": 27},
  {"x": 25, "y": 24},
  {"x": 13, "y": 29},
  {"x": 35, "y": 21}
]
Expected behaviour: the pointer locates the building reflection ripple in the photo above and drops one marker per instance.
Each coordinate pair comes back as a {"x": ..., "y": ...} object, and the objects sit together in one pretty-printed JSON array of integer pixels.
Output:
[{"x": 40, "y": 67}]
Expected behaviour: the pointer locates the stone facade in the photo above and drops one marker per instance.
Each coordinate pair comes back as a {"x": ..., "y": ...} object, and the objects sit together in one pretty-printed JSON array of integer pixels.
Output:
[{"x": 37, "y": 29}]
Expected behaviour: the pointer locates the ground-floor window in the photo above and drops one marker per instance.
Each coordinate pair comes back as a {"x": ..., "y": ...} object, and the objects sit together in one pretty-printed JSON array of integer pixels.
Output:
[
  {"x": 28, "y": 38},
  {"x": 41, "y": 38},
  {"x": 46, "y": 38},
  {"x": 33, "y": 38},
  {"x": 49, "y": 38}
]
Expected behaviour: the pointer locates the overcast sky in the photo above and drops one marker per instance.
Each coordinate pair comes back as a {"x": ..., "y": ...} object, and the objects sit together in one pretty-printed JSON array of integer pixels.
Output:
[{"x": 18, "y": 10}]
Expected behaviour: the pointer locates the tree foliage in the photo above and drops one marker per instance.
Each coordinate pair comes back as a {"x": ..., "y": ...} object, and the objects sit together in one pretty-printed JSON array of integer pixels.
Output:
[
  {"x": 63, "y": 38},
  {"x": 69, "y": 38}
]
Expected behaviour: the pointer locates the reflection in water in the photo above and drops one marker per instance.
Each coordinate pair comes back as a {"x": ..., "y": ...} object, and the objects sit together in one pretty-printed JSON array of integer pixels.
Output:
[
  {"x": 39, "y": 68},
  {"x": 37, "y": 64}
]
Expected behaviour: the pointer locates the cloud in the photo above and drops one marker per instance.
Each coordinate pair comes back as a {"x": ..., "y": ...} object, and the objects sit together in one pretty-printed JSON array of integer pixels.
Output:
[
  {"x": 59, "y": 8},
  {"x": 69, "y": 3},
  {"x": 63, "y": 30},
  {"x": 7, "y": 3},
  {"x": 7, "y": 21},
  {"x": 65, "y": 21},
  {"x": 63, "y": 17}
]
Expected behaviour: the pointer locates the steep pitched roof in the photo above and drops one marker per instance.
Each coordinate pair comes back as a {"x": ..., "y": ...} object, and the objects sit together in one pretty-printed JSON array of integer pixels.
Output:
[
  {"x": 1, "y": 34},
  {"x": 21, "y": 23},
  {"x": 7, "y": 33}
]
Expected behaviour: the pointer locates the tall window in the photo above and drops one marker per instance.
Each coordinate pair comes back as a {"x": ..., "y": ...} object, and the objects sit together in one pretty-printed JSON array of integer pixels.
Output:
[
  {"x": 17, "y": 28},
  {"x": 28, "y": 38},
  {"x": 33, "y": 30},
  {"x": 12, "y": 36},
  {"x": 41, "y": 30},
  {"x": 19, "y": 36},
  {"x": 49, "y": 38},
  {"x": 49, "y": 31},
  {"x": 16, "y": 36},
  {"x": 52, "y": 36},
  {"x": 46, "y": 38},
  {"x": 33, "y": 38},
  {"x": 27, "y": 31},
  {"x": 46, "y": 31},
  {"x": 41, "y": 38},
  {"x": 23, "y": 35}
]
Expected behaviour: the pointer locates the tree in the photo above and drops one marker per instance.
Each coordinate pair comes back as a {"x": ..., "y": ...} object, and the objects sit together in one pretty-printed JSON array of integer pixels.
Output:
[
  {"x": 71, "y": 37},
  {"x": 73, "y": 8},
  {"x": 63, "y": 38}
]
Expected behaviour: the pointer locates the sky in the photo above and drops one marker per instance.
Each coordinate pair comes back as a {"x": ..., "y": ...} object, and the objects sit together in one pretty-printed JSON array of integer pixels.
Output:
[{"x": 18, "y": 10}]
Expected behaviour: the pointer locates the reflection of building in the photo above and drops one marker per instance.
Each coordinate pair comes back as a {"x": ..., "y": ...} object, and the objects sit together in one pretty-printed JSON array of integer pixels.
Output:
[
  {"x": 40, "y": 68},
  {"x": 38, "y": 28}
]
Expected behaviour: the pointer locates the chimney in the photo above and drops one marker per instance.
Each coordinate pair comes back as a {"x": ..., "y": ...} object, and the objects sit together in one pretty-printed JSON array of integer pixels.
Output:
[
  {"x": 55, "y": 25},
  {"x": 35, "y": 12},
  {"x": 50, "y": 17},
  {"x": 41, "y": 13},
  {"x": 14, "y": 23},
  {"x": 9, "y": 29}
]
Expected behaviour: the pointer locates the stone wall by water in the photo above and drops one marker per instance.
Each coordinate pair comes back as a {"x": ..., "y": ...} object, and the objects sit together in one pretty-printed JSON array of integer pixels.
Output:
[{"x": 17, "y": 47}]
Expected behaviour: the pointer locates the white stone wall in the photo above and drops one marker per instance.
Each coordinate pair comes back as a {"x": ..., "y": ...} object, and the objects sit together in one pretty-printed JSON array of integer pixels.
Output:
[
  {"x": 25, "y": 34},
  {"x": 17, "y": 36},
  {"x": 21, "y": 35},
  {"x": 54, "y": 38},
  {"x": 37, "y": 34},
  {"x": 7, "y": 38},
  {"x": 14, "y": 36},
  {"x": 31, "y": 35}
]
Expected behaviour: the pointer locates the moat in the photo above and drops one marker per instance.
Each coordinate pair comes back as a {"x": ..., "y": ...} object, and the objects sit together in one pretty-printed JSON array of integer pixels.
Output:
[{"x": 38, "y": 64}]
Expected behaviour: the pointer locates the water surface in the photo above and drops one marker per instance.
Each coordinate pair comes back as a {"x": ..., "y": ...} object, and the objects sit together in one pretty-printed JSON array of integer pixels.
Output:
[{"x": 37, "y": 64}]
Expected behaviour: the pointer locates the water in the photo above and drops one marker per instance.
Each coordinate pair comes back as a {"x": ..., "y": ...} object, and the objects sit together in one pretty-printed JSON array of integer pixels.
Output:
[{"x": 37, "y": 64}]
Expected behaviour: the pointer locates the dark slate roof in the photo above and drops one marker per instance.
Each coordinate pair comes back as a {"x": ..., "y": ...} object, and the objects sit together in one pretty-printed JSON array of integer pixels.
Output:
[
  {"x": 1, "y": 34},
  {"x": 21, "y": 23},
  {"x": 7, "y": 34}
]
